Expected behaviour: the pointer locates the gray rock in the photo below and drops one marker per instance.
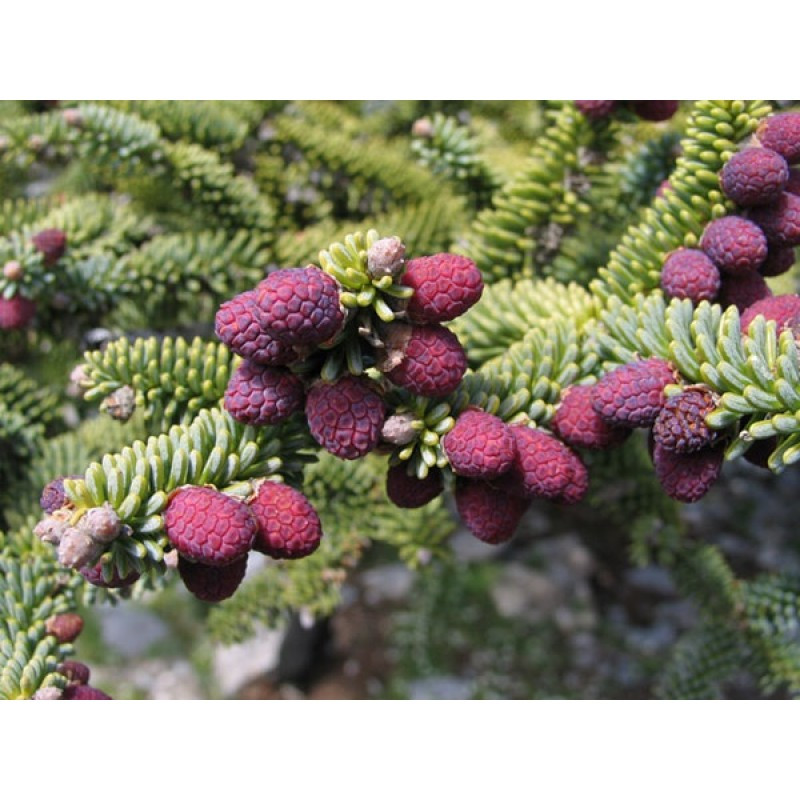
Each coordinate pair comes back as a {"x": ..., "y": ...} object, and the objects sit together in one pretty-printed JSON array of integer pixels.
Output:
[
  {"x": 178, "y": 681},
  {"x": 390, "y": 583},
  {"x": 652, "y": 580},
  {"x": 440, "y": 688},
  {"x": 155, "y": 679},
  {"x": 682, "y": 614},
  {"x": 579, "y": 558},
  {"x": 523, "y": 592},
  {"x": 131, "y": 631},
  {"x": 467, "y": 548},
  {"x": 572, "y": 620},
  {"x": 236, "y": 665},
  {"x": 585, "y": 653},
  {"x": 653, "y": 640}
]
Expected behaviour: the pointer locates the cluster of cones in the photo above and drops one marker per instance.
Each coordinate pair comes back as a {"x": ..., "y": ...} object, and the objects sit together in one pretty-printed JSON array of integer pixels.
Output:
[
  {"x": 210, "y": 533},
  {"x": 737, "y": 252},
  {"x": 16, "y": 308},
  {"x": 285, "y": 328},
  {"x": 66, "y": 628}
]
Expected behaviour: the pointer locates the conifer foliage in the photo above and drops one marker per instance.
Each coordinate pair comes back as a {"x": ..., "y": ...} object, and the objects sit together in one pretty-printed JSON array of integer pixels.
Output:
[{"x": 311, "y": 327}]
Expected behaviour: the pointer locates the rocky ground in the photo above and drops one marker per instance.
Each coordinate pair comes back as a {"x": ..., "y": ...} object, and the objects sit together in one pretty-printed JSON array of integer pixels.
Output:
[{"x": 553, "y": 614}]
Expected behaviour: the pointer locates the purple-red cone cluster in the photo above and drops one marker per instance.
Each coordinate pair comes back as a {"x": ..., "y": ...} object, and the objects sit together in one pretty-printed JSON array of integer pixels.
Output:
[
  {"x": 271, "y": 327},
  {"x": 77, "y": 675},
  {"x": 728, "y": 267},
  {"x": 423, "y": 356},
  {"x": 346, "y": 416},
  {"x": 280, "y": 326},
  {"x": 213, "y": 533},
  {"x": 501, "y": 468},
  {"x": 66, "y": 628},
  {"x": 738, "y": 252},
  {"x": 17, "y": 311},
  {"x": 686, "y": 453}
]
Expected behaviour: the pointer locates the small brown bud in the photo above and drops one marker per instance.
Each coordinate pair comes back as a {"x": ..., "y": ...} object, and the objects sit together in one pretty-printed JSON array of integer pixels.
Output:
[
  {"x": 36, "y": 142},
  {"x": 48, "y": 693},
  {"x": 78, "y": 381},
  {"x": 396, "y": 340},
  {"x": 73, "y": 117},
  {"x": 422, "y": 128},
  {"x": 52, "y": 528},
  {"x": 386, "y": 257},
  {"x": 65, "y": 627},
  {"x": 120, "y": 404},
  {"x": 78, "y": 549},
  {"x": 13, "y": 271},
  {"x": 101, "y": 523},
  {"x": 397, "y": 429}
]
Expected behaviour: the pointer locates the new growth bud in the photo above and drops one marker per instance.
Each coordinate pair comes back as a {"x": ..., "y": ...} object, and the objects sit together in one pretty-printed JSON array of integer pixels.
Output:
[
  {"x": 398, "y": 429},
  {"x": 13, "y": 271},
  {"x": 65, "y": 627},
  {"x": 386, "y": 257}
]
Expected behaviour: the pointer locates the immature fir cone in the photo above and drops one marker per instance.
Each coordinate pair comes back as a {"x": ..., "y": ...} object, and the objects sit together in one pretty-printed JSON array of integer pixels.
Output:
[
  {"x": 754, "y": 177},
  {"x": 94, "y": 575},
  {"x": 690, "y": 274},
  {"x": 51, "y": 243},
  {"x": 212, "y": 584},
  {"x": 237, "y": 325},
  {"x": 480, "y": 445},
  {"x": 579, "y": 425},
  {"x": 408, "y": 491},
  {"x": 445, "y": 286},
  {"x": 261, "y": 395},
  {"x": 433, "y": 362},
  {"x": 75, "y": 671},
  {"x": 784, "y": 309},
  {"x": 781, "y": 133},
  {"x": 687, "y": 477},
  {"x": 288, "y": 525},
  {"x": 743, "y": 290},
  {"x": 681, "y": 426},
  {"x": 80, "y": 692},
  {"x": 491, "y": 514},
  {"x": 655, "y": 110},
  {"x": 735, "y": 245},
  {"x": 53, "y": 495},
  {"x": 16, "y": 312},
  {"x": 299, "y": 306},
  {"x": 543, "y": 466},
  {"x": 208, "y": 526},
  {"x": 596, "y": 109},
  {"x": 345, "y": 417},
  {"x": 632, "y": 395},
  {"x": 780, "y": 221},
  {"x": 793, "y": 184},
  {"x": 779, "y": 260}
]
